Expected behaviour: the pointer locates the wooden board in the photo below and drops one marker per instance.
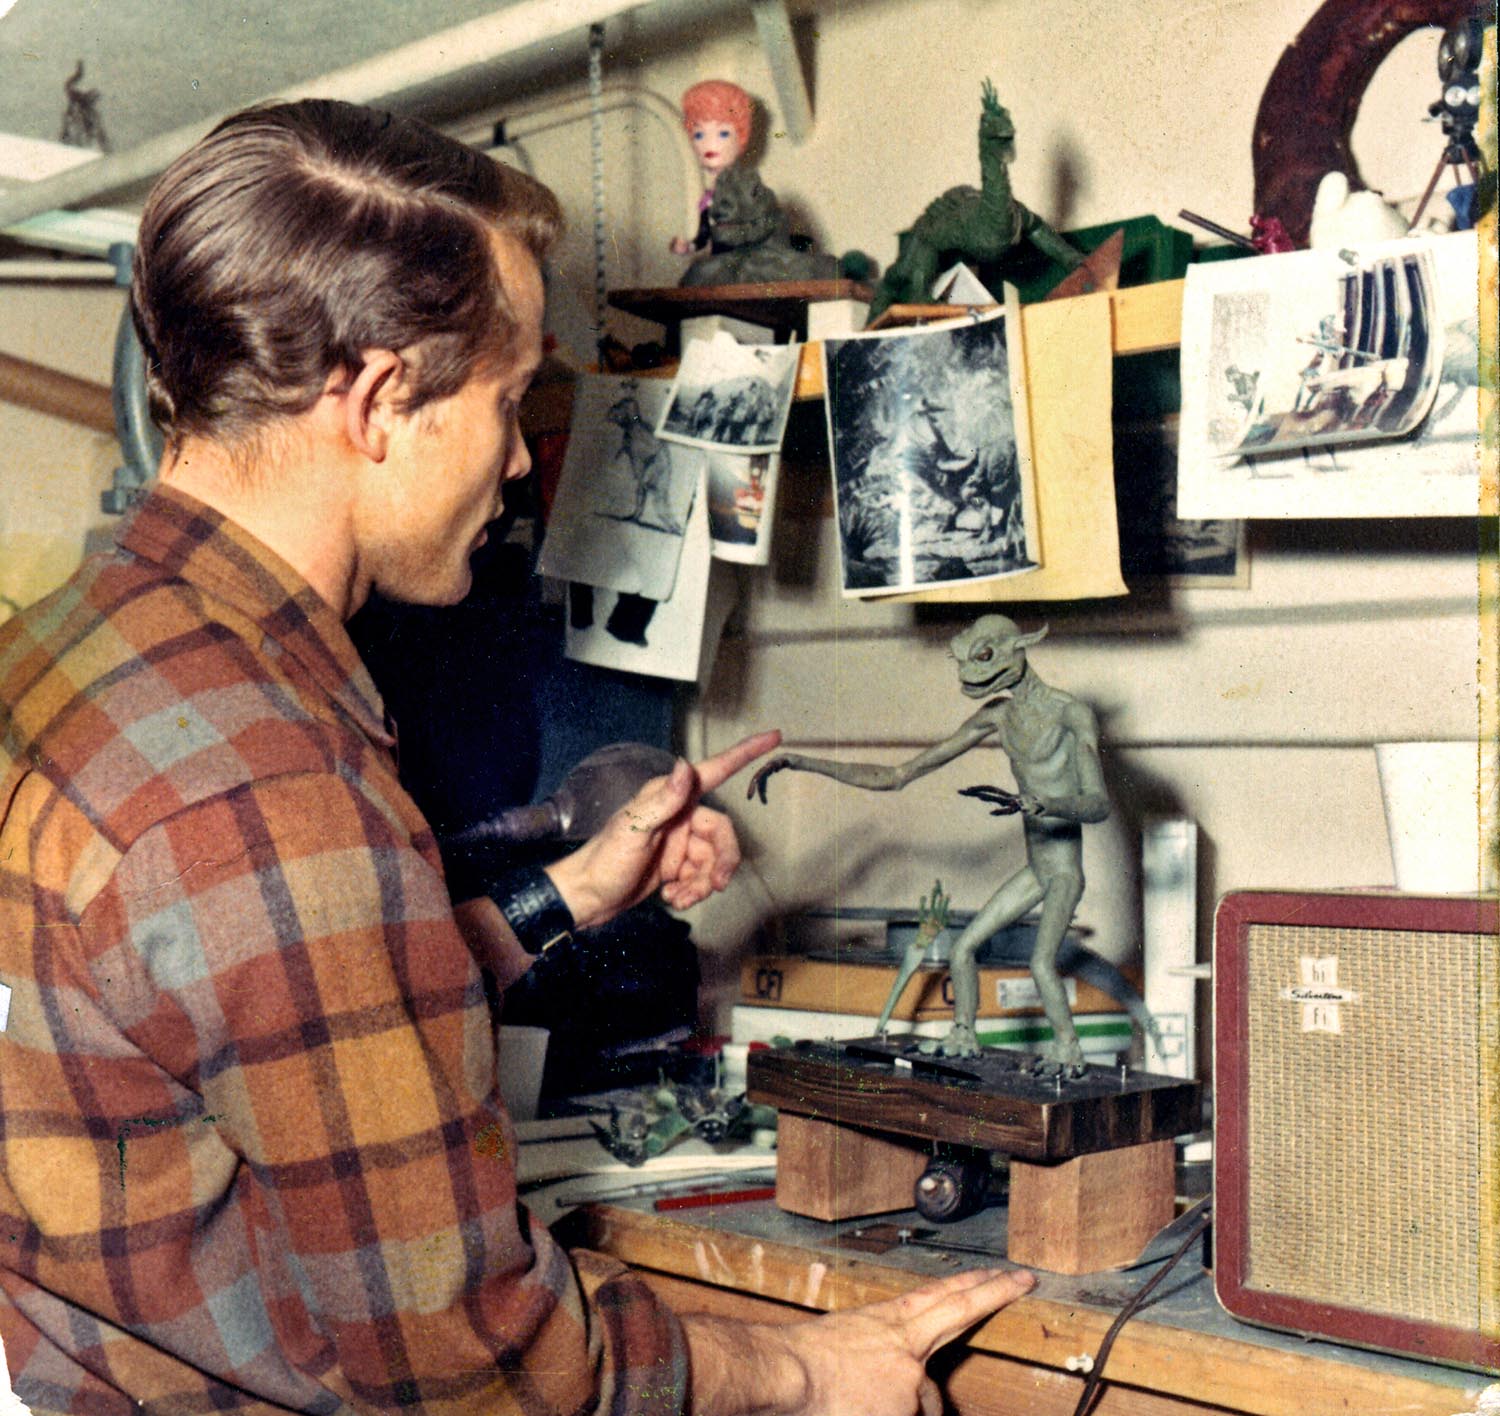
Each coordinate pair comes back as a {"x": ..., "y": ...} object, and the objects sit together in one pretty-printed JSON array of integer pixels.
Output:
[
  {"x": 1070, "y": 399},
  {"x": 775, "y": 304},
  {"x": 988, "y": 1103},
  {"x": 1143, "y": 319},
  {"x": 836, "y": 1172},
  {"x": 1092, "y": 1212},
  {"x": 844, "y": 986},
  {"x": 973, "y": 1383},
  {"x": 1181, "y": 1345}
]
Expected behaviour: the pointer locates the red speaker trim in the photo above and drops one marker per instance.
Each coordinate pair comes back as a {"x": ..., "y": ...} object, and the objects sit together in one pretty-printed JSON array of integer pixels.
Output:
[{"x": 1236, "y": 913}]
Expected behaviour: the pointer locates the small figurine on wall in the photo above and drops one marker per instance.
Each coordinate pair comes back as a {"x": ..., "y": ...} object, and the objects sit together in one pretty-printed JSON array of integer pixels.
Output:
[
  {"x": 743, "y": 233},
  {"x": 1052, "y": 741},
  {"x": 717, "y": 115},
  {"x": 974, "y": 224}
]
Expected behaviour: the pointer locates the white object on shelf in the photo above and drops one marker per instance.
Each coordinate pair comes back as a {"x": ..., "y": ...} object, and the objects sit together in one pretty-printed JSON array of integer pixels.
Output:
[
  {"x": 1436, "y": 796},
  {"x": 1169, "y": 930}
]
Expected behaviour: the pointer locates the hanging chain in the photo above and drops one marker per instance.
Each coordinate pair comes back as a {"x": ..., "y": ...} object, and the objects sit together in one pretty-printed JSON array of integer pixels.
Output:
[{"x": 596, "y": 143}]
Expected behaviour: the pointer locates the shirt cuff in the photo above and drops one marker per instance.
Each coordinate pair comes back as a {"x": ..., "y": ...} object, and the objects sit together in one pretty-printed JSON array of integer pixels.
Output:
[{"x": 532, "y": 906}]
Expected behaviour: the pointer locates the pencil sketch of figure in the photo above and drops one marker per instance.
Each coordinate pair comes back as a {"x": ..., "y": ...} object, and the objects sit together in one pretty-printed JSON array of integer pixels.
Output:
[{"x": 650, "y": 466}]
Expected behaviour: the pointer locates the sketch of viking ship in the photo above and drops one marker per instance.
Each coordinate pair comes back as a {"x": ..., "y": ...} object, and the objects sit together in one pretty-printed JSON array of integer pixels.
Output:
[{"x": 1368, "y": 367}]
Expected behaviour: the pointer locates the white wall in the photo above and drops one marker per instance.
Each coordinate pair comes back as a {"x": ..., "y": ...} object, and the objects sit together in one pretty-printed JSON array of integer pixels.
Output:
[
  {"x": 1253, "y": 711},
  {"x": 52, "y": 471}
]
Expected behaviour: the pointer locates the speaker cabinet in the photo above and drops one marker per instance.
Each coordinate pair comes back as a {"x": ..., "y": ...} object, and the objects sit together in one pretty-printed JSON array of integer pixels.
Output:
[{"x": 1357, "y": 1119}]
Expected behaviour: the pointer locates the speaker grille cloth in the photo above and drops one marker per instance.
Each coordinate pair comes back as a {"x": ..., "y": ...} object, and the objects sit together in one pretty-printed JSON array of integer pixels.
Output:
[{"x": 1372, "y": 1186}]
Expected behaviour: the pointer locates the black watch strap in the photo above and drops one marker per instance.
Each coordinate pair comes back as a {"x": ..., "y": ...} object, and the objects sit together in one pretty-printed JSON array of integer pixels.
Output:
[{"x": 533, "y": 908}]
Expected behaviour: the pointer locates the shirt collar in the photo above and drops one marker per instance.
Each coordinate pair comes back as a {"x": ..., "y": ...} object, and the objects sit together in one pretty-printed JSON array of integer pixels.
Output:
[{"x": 201, "y": 546}]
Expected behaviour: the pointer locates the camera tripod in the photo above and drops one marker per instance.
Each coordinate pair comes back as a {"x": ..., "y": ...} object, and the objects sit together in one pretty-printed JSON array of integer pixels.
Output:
[{"x": 1461, "y": 153}]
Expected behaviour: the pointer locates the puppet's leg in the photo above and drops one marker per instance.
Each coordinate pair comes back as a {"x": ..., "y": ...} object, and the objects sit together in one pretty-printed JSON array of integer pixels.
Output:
[
  {"x": 1022, "y": 892},
  {"x": 1058, "y": 861},
  {"x": 909, "y": 962}
]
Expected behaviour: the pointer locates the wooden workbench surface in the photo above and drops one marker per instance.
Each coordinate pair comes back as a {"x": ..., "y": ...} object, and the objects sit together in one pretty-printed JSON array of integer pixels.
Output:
[{"x": 1181, "y": 1354}]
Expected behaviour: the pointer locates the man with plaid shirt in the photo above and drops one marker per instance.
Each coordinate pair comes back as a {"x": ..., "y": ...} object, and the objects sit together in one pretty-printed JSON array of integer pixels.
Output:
[{"x": 248, "y": 1099}]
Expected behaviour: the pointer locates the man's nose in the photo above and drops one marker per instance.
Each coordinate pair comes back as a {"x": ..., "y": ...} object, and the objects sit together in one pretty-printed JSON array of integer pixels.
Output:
[{"x": 518, "y": 464}]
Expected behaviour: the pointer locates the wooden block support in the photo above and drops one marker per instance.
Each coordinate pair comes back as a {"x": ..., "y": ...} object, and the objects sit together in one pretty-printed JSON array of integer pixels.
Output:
[
  {"x": 827, "y": 1171},
  {"x": 1093, "y": 1212}
]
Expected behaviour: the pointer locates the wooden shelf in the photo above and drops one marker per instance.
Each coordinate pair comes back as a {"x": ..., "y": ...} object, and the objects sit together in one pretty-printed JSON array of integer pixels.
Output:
[
  {"x": 779, "y": 305},
  {"x": 1143, "y": 320}
]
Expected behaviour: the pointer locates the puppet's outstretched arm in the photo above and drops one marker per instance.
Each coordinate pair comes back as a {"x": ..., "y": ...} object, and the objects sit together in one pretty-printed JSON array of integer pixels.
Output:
[{"x": 875, "y": 776}]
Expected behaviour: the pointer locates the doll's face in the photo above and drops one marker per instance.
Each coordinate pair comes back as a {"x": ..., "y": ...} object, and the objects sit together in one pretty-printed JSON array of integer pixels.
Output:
[{"x": 716, "y": 143}]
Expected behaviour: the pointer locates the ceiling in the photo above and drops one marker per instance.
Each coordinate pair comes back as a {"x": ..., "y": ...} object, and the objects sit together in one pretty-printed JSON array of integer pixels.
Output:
[{"x": 159, "y": 64}]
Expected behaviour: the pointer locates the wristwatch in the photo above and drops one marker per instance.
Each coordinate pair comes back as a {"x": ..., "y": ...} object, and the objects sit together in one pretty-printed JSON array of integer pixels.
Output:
[{"x": 533, "y": 908}]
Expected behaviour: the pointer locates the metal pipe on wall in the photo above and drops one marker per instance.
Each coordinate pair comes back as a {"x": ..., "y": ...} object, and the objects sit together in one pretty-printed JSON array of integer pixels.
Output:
[
  {"x": 61, "y": 395},
  {"x": 49, "y": 272},
  {"x": 437, "y": 56},
  {"x": 526, "y": 120}
]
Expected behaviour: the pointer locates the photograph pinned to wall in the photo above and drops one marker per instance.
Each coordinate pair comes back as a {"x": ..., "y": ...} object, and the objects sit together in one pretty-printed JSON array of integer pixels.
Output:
[
  {"x": 672, "y": 638},
  {"x": 931, "y": 462},
  {"x": 1156, "y": 543},
  {"x": 1333, "y": 383},
  {"x": 623, "y": 497},
  {"x": 730, "y": 396},
  {"x": 741, "y": 504}
]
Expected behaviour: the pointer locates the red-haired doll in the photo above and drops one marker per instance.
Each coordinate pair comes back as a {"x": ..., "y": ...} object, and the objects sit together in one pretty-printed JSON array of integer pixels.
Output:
[{"x": 716, "y": 114}]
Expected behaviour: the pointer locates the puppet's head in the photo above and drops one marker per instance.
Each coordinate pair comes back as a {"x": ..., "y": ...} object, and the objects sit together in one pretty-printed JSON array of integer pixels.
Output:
[
  {"x": 744, "y": 211},
  {"x": 994, "y": 119},
  {"x": 717, "y": 116},
  {"x": 991, "y": 655}
]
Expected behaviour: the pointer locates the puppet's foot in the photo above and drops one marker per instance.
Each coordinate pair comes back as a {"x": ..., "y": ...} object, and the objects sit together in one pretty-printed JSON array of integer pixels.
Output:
[
  {"x": 1059, "y": 1060},
  {"x": 960, "y": 1042}
]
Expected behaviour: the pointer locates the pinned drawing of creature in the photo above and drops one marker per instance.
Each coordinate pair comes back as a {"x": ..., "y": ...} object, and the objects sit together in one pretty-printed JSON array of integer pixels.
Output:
[
  {"x": 1052, "y": 742},
  {"x": 650, "y": 466}
]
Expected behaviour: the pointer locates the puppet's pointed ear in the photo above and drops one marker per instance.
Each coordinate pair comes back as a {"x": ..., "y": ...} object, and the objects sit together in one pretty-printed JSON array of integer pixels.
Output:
[{"x": 1025, "y": 641}]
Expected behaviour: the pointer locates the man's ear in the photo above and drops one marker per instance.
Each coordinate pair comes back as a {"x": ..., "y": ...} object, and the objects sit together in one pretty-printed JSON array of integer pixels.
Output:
[{"x": 370, "y": 402}]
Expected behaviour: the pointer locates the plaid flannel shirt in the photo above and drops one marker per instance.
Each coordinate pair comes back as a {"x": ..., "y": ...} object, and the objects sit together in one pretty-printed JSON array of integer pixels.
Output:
[{"x": 252, "y": 1153}]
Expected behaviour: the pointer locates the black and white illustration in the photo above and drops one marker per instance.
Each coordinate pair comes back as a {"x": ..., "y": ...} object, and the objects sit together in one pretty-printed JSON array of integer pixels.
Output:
[
  {"x": 931, "y": 475},
  {"x": 1155, "y": 543},
  {"x": 1333, "y": 383},
  {"x": 671, "y": 639},
  {"x": 741, "y": 501},
  {"x": 730, "y": 396},
  {"x": 624, "y": 496}
]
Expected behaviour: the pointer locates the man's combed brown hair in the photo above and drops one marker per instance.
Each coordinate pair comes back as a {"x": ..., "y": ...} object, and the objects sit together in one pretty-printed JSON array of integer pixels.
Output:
[{"x": 297, "y": 235}]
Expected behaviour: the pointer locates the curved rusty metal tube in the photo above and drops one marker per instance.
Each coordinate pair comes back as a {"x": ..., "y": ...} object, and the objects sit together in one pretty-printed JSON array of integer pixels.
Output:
[{"x": 44, "y": 390}]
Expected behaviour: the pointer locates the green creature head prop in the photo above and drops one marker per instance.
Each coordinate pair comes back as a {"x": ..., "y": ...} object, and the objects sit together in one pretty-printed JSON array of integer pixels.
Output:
[
  {"x": 744, "y": 211},
  {"x": 994, "y": 120},
  {"x": 991, "y": 655}
]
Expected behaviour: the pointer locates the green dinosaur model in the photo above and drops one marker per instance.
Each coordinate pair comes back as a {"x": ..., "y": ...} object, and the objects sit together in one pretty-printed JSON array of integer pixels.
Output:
[{"x": 977, "y": 225}]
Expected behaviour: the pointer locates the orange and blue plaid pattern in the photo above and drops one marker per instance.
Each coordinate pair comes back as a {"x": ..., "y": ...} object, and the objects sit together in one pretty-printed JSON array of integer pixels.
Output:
[{"x": 248, "y": 1057}]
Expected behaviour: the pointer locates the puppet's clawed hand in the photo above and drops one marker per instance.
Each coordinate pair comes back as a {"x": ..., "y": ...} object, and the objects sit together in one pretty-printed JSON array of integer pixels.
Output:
[
  {"x": 757, "y": 785},
  {"x": 1002, "y": 802}
]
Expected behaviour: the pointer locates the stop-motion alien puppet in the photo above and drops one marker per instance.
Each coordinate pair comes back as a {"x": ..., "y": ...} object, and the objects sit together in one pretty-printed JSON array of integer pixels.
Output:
[{"x": 1052, "y": 741}]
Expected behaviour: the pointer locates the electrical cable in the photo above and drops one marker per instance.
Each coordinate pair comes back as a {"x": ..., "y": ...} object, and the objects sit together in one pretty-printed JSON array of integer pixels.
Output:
[
  {"x": 1095, "y": 1383},
  {"x": 596, "y": 147}
]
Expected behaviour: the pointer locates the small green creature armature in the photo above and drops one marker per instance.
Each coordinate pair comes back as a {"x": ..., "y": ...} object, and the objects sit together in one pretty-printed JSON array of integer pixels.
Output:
[
  {"x": 1052, "y": 741},
  {"x": 977, "y": 224},
  {"x": 931, "y": 921}
]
